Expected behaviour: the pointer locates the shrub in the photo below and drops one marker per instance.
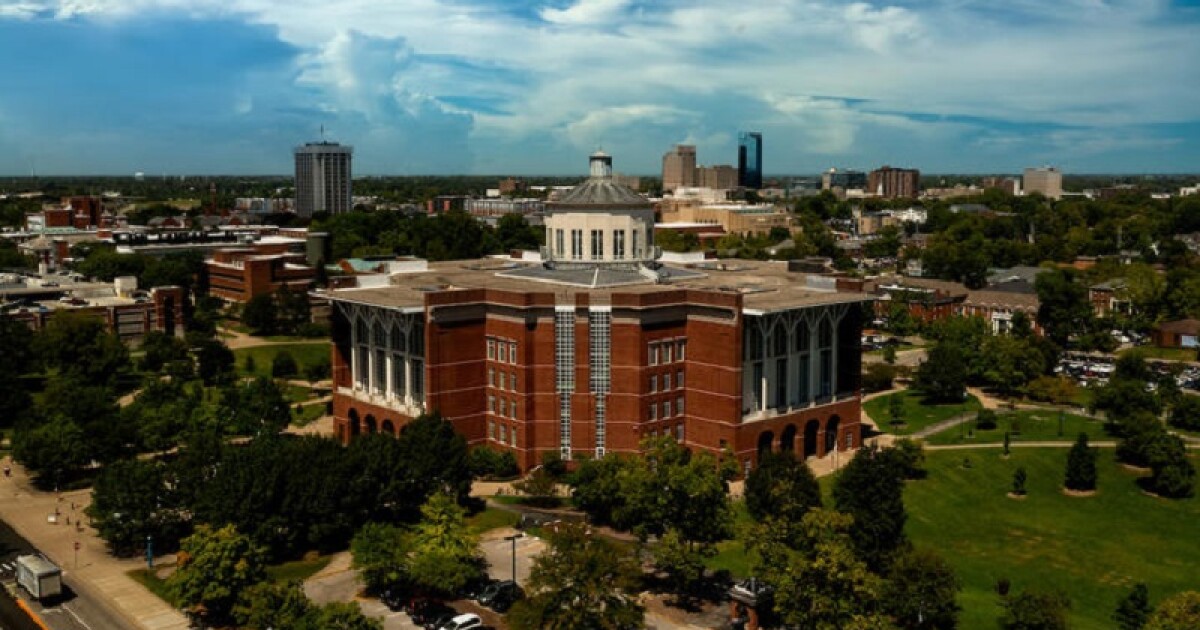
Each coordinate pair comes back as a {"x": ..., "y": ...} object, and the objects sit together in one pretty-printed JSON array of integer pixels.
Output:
[
  {"x": 985, "y": 420},
  {"x": 284, "y": 365},
  {"x": 1081, "y": 466},
  {"x": 1019, "y": 479},
  {"x": 878, "y": 377}
]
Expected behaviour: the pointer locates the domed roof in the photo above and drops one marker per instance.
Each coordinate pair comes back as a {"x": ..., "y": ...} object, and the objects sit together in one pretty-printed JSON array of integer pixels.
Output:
[{"x": 600, "y": 190}]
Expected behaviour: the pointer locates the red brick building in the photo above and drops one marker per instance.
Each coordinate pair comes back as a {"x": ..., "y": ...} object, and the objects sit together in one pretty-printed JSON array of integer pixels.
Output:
[
  {"x": 592, "y": 357},
  {"x": 893, "y": 183},
  {"x": 238, "y": 274}
]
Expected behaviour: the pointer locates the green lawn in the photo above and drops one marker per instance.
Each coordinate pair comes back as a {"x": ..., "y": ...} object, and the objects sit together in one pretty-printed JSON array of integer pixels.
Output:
[
  {"x": 1094, "y": 548},
  {"x": 296, "y": 393},
  {"x": 1034, "y": 425},
  {"x": 308, "y": 414},
  {"x": 1170, "y": 354},
  {"x": 917, "y": 413},
  {"x": 305, "y": 354},
  {"x": 146, "y": 578},
  {"x": 492, "y": 518},
  {"x": 288, "y": 571}
]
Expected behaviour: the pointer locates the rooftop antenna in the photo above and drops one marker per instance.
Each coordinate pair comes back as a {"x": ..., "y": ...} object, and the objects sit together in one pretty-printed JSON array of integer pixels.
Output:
[{"x": 322, "y": 133}]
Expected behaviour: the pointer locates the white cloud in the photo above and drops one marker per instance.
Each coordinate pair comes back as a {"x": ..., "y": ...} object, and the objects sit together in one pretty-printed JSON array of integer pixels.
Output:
[{"x": 702, "y": 68}]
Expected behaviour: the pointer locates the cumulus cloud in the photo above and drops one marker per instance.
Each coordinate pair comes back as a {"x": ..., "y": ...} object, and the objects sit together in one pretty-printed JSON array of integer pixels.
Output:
[{"x": 502, "y": 76}]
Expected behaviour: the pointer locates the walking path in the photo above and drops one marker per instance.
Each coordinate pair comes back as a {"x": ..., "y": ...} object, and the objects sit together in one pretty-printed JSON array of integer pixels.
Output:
[
  {"x": 98, "y": 576},
  {"x": 237, "y": 340}
]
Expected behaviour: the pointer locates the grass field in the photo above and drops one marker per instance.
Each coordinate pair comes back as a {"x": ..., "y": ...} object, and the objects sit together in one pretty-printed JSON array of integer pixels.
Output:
[
  {"x": 917, "y": 414},
  {"x": 308, "y": 414},
  {"x": 1034, "y": 425},
  {"x": 1170, "y": 354},
  {"x": 1093, "y": 548},
  {"x": 305, "y": 354},
  {"x": 297, "y": 570},
  {"x": 492, "y": 518}
]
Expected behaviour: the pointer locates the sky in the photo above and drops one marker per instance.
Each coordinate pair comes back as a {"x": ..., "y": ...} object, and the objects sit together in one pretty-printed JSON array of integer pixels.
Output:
[{"x": 520, "y": 87}]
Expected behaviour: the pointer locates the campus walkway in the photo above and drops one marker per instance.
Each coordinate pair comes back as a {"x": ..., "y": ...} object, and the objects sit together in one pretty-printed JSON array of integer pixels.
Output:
[{"x": 98, "y": 576}]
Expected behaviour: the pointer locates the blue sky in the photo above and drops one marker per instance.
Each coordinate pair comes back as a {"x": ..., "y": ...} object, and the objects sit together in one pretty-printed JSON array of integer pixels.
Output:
[{"x": 532, "y": 86}]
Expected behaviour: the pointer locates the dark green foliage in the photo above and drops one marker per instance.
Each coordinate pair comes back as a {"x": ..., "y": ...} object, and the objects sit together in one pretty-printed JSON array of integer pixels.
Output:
[
  {"x": 1081, "y": 466},
  {"x": 259, "y": 408},
  {"x": 1020, "y": 477},
  {"x": 160, "y": 349},
  {"x": 1139, "y": 434},
  {"x": 1186, "y": 413},
  {"x": 878, "y": 377},
  {"x": 317, "y": 371},
  {"x": 215, "y": 566},
  {"x": 380, "y": 553},
  {"x": 596, "y": 488},
  {"x": 261, "y": 315},
  {"x": 1063, "y": 307},
  {"x": 284, "y": 365},
  {"x": 1133, "y": 611},
  {"x": 1035, "y": 610},
  {"x": 54, "y": 450},
  {"x": 870, "y": 488},
  {"x": 1173, "y": 474},
  {"x": 16, "y": 348},
  {"x": 130, "y": 501},
  {"x": 488, "y": 462},
  {"x": 77, "y": 344},
  {"x": 943, "y": 375},
  {"x": 580, "y": 581},
  {"x": 214, "y": 361},
  {"x": 985, "y": 420},
  {"x": 436, "y": 458},
  {"x": 921, "y": 591},
  {"x": 908, "y": 458},
  {"x": 1122, "y": 398},
  {"x": 783, "y": 488}
]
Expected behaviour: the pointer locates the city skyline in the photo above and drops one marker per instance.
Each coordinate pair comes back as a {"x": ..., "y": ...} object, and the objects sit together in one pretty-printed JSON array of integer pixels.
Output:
[{"x": 436, "y": 86}]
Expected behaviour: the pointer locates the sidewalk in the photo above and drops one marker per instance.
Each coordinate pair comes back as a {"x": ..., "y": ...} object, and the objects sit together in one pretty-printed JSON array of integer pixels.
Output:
[{"x": 99, "y": 576}]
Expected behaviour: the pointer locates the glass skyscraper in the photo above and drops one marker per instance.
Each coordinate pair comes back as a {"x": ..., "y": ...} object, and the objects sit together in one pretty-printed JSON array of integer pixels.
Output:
[{"x": 750, "y": 173}]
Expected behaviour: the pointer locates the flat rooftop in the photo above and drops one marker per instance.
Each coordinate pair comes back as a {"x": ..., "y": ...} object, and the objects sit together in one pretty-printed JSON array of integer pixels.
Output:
[{"x": 766, "y": 286}]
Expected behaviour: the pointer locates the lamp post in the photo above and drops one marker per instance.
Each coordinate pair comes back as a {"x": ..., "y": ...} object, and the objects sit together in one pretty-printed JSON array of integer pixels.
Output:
[
  {"x": 514, "y": 538},
  {"x": 150, "y": 552}
]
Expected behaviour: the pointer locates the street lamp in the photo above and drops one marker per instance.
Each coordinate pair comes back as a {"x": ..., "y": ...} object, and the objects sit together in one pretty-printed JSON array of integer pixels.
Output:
[{"x": 514, "y": 538}]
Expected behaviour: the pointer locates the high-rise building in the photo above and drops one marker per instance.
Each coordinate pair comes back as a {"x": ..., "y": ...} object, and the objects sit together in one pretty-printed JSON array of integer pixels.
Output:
[
  {"x": 1046, "y": 180},
  {"x": 323, "y": 178},
  {"x": 845, "y": 179},
  {"x": 679, "y": 167},
  {"x": 719, "y": 177},
  {"x": 893, "y": 183},
  {"x": 750, "y": 172}
]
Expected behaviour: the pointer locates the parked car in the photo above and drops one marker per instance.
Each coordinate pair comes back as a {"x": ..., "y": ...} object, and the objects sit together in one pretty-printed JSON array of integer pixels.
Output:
[
  {"x": 476, "y": 587},
  {"x": 501, "y": 595},
  {"x": 463, "y": 622},
  {"x": 392, "y": 598},
  {"x": 441, "y": 621}
]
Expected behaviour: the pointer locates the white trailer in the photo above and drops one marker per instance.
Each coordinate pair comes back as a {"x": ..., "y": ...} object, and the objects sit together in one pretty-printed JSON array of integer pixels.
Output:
[{"x": 40, "y": 577}]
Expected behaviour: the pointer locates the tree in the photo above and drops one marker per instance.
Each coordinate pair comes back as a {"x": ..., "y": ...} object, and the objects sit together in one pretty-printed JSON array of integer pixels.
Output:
[
  {"x": 445, "y": 553},
  {"x": 250, "y": 366},
  {"x": 1178, "y": 612},
  {"x": 160, "y": 349},
  {"x": 783, "y": 488},
  {"x": 1018, "y": 482},
  {"x": 1063, "y": 307},
  {"x": 1007, "y": 444},
  {"x": 681, "y": 561},
  {"x": 942, "y": 377},
  {"x": 17, "y": 350},
  {"x": 1081, "y": 466},
  {"x": 580, "y": 581},
  {"x": 284, "y": 365},
  {"x": 985, "y": 420},
  {"x": 1010, "y": 363},
  {"x": 131, "y": 501},
  {"x": 1134, "y": 609},
  {"x": 878, "y": 377},
  {"x": 889, "y": 354},
  {"x": 260, "y": 408},
  {"x": 214, "y": 361},
  {"x": 380, "y": 552},
  {"x": 671, "y": 487},
  {"x": 261, "y": 315},
  {"x": 318, "y": 370},
  {"x": 596, "y": 487},
  {"x": 268, "y": 605},
  {"x": 1186, "y": 413},
  {"x": 540, "y": 488},
  {"x": 896, "y": 409},
  {"x": 214, "y": 567},
  {"x": 78, "y": 345},
  {"x": 1172, "y": 474},
  {"x": 1035, "y": 610},
  {"x": 54, "y": 451},
  {"x": 819, "y": 581},
  {"x": 437, "y": 458},
  {"x": 922, "y": 591},
  {"x": 1139, "y": 434},
  {"x": 907, "y": 457},
  {"x": 870, "y": 489}
]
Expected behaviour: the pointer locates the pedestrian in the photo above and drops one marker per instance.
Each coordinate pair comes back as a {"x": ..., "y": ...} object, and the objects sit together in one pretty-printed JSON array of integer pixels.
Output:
[{"x": 7, "y": 470}]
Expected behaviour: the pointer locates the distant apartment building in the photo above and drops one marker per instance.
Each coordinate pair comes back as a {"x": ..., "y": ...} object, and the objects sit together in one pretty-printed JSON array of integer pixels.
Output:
[
  {"x": 679, "y": 167},
  {"x": 894, "y": 183},
  {"x": 1008, "y": 185},
  {"x": 845, "y": 179},
  {"x": 720, "y": 177},
  {"x": 263, "y": 205},
  {"x": 323, "y": 178},
  {"x": 1046, "y": 180},
  {"x": 1187, "y": 191},
  {"x": 237, "y": 274},
  {"x": 510, "y": 185},
  {"x": 750, "y": 166}
]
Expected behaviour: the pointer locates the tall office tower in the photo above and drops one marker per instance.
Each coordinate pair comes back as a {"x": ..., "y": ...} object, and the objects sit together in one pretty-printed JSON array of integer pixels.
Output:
[
  {"x": 323, "y": 178},
  {"x": 750, "y": 173},
  {"x": 1046, "y": 180},
  {"x": 893, "y": 183},
  {"x": 679, "y": 167},
  {"x": 719, "y": 177}
]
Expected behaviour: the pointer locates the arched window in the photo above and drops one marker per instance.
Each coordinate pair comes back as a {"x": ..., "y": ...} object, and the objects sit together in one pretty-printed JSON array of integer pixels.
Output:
[{"x": 399, "y": 339}]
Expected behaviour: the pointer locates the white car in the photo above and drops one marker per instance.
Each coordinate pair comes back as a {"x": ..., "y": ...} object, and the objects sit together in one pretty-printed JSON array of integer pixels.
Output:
[{"x": 463, "y": 622}]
